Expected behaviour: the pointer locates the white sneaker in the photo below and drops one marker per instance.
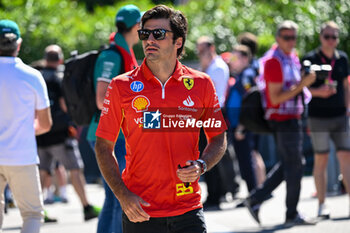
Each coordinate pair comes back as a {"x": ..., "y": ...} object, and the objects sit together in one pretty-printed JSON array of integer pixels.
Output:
[{"x": 323, "y": 211}]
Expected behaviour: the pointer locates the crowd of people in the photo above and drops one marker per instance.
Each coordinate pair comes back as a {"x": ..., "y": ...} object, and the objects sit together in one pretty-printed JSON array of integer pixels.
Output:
[{"x": 150, "y": 165}]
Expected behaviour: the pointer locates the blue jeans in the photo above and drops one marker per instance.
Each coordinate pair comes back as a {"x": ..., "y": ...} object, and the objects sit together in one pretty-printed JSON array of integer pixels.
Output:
[
  {"x": 288, "y": 136},
  {"x": 110, "y": 218}
]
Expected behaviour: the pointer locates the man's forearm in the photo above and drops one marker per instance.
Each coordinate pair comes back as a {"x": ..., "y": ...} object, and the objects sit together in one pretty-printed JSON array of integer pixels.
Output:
[
  {"x": 214, "y": 151},
  {"x": 286, "y": 95},
  {"x": 109, "y": 168}
]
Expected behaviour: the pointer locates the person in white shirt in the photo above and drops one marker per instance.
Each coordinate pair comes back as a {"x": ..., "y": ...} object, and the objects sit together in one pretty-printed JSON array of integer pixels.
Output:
[
  {"x": 214, "y": 66},
  {"x": 221, "y": 178},
  {"x": 25, "y": 112}
]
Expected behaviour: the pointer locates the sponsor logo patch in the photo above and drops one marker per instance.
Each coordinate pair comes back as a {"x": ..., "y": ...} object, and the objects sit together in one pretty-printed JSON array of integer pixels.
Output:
[
  {"x": 188, "y": 102},
  {"x": 151, "y": 120},
  {"x": 188, "y": 82},
  {"x": 136, "y": 86},
  {"x": 140, "y": 103}
]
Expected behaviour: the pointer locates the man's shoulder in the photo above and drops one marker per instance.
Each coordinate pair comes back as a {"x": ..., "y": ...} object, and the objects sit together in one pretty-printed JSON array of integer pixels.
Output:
[
  {"x": 29, "y": 71},
  {"x": 311, "y": 55},
  {"x": 272, "y": 62},
  {"x": 110, "y": 55},
  {"x": 192, "y": 73},
  {"x": 218, "y": 64},
  {"x": 342, "y": 54},
  {"x": 128, "y": 77}
]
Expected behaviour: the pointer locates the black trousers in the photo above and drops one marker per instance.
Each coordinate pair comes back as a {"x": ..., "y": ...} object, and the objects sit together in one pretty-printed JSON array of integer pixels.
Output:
[
  {"x": 288, "y": 136},
  {"x": 190, "y": 222}
]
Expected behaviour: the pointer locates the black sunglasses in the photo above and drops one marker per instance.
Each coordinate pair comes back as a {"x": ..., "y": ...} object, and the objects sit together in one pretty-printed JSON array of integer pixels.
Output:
[
  {"x": 158, "y": 34},
  {"x": 288, "y": 38},
  {"x": 327, "y": 37}
]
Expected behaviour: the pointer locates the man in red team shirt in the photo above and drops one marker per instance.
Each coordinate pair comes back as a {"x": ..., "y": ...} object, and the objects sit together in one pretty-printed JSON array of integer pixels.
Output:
[
  {"x": 160, "y": 106},
  {"x": 284, "y": 86}
]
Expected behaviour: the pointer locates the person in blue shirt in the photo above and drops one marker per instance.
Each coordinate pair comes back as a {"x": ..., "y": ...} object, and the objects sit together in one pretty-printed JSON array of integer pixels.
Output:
[{"x": 241, "y": 138}]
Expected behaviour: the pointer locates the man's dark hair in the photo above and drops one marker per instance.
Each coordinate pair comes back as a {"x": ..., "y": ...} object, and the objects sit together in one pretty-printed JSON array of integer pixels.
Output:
[
  {"x": 8, "y": 44},
  {"x": 52, "y": 56},
  {"x": 178, "y": 22},
  {"x": 122, "y": 29},
  {"x": 249, "y": 40}
]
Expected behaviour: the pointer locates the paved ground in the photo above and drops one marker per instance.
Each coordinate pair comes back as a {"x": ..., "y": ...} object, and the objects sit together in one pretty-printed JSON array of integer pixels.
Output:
[{"x": 228, "y": 220}]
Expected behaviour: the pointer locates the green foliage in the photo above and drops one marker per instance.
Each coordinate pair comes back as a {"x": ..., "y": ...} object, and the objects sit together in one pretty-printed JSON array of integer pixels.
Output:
[
  {"x": 225, "y": 19},
  {"x": 63, "y": 22},
  {"x": 69, "y": 24}
]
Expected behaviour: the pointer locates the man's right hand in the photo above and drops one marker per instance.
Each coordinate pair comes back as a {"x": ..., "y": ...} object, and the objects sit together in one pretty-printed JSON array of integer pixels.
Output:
[{"x": 131, "y": 205}]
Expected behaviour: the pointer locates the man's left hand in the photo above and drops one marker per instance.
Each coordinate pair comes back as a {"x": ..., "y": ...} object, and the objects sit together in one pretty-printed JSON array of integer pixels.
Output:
[{"x": 190, "y": 173}]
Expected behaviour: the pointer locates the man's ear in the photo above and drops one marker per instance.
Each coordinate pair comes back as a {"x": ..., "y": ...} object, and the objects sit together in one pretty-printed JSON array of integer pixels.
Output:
[
  {"x": 179, "y": 42},
  {"x": 19, "y": 42}
]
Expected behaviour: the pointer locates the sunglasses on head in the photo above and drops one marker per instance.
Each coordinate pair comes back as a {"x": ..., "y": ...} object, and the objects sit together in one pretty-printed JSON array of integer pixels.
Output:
[
  {"x": 327, "y": 37},
  {"x": 158, "y": 34},
  {"x": 288, "y": 38}
]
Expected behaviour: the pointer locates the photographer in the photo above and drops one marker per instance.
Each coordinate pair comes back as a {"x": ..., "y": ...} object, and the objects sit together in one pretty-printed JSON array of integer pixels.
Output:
[{"x": 328, "y": 111}]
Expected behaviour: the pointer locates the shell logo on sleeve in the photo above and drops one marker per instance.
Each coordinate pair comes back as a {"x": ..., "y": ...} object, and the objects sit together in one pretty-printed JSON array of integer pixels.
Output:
[{"x": 140, "y": 103}]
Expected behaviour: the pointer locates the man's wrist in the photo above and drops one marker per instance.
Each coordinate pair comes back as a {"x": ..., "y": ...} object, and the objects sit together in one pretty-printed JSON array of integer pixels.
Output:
[{"x": 203, "y": 165}]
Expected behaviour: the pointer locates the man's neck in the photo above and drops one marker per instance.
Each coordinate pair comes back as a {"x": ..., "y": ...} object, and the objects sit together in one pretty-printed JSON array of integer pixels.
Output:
[
  {"x": 162, "y": 70},
  {"x": 285, "y": 52},
  {"x": 129, "y": 41},
  {"x": 329, "y": 52}
]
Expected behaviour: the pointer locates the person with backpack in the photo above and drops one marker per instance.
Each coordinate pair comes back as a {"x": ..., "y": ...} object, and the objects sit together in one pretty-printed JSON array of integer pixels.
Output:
[
  {"x": 284, "y": 90},
  {"x": 111, "y": 62},
  {"x": 329, "y": 111},
  {"x": 57, "y": 143},
  {"x": 25, "y": 112}
]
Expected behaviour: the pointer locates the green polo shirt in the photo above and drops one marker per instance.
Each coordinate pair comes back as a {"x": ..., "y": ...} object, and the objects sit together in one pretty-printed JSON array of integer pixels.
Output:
[{"x": 108, "y": 65}]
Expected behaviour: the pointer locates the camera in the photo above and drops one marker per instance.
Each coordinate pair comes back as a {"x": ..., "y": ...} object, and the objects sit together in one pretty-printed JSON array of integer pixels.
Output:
[{"x": 322, "y": 71}]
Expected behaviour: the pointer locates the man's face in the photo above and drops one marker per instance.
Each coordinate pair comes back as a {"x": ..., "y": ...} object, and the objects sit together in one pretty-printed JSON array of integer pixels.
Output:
[
  {"x": 329, "y": 38},
  {"x": 160, "y": 50},
  {"x": 238, "y": 63},
  {"x": 287, "y": 40},
  {"x": 203, "y": 51}
]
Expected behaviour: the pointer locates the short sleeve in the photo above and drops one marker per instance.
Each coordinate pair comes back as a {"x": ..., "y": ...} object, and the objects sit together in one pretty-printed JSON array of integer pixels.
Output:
[
  {"x": 212, "y": 112},
  {"x": 41, "y": 96},
  {"x": 273, "y": 71},
  {"x": 111, "y": 114},
  {"x": 108, "y": 66}
]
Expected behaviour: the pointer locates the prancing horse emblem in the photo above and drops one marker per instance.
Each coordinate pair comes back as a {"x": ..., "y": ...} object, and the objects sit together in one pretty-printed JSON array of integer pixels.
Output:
[{"x": 188, "y": 82}]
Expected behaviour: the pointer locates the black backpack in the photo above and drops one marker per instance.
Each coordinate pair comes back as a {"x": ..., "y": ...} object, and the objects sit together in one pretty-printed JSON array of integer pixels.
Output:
[
  {"x": 78, "y": 85},
  {"x": 252, "y": 114}
]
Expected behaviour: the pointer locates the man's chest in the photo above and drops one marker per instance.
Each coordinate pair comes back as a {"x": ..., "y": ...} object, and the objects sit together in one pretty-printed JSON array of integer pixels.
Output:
[{"x": 155, "y": 102}]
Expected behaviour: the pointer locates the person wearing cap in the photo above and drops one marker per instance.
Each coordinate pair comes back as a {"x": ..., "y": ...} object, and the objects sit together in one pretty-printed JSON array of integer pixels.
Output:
[
  {"x": 26, "y": 113},
  {"x": 159, "y": 190},
  {"x": 109, "y": 64}
]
